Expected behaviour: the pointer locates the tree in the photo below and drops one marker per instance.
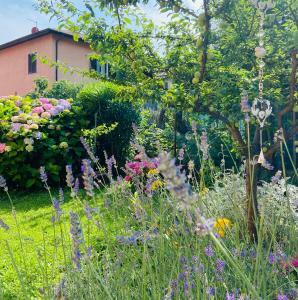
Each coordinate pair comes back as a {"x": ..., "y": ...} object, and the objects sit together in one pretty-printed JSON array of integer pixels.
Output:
[{"x": 209, "y": 53}]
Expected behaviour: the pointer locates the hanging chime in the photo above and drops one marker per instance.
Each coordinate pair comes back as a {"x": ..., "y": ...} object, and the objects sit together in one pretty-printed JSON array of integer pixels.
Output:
[{"x": 261, "y": 108}]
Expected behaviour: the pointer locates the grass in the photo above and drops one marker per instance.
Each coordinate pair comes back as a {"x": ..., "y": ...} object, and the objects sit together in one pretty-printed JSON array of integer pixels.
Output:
[{"x": 32, "y": 253}]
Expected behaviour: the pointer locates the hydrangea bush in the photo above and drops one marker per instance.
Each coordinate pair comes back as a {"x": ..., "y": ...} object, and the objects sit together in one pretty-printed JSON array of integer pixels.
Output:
[{"x": 35, "y": 131}]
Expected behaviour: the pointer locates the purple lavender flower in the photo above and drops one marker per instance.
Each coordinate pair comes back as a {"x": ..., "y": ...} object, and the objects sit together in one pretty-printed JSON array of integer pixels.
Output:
[
  {"x": 175, "y": 181},
  {"x": 183, "y": 260},
  {"x": 186, "y": 287},
  {"x": 89, "y": 211},
  {"x": 204, "y": 145},
  {"x": 209, "y": 251},
  {"x": 61, "y": 195},
  {"x": 76, "y": 187},
  {"x": 88, "y": 177},
  {"x": 211, "y": 291},
  {"x": 57, "y": 208},
  {"x": 110, "y": 162},
  {"x": 58, "y": 293},
  {"x": 3, "y": 183},
  {"x": 282, "y": 297},
  {"x": 271, "y": 258},
  {"x": 220, "y": 265},
  {"x": 89, "y": 151},
  {"x": 69, "y": 176},
  {"x": 3, "y": 225},
  {"x": 230, "y": 296},
  {"x": 77, "y": 238},
  {"x": 43, "y": 174}
]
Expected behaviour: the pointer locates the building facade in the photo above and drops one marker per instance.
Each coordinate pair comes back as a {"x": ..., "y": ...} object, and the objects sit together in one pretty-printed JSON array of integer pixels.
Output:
[{"x": 20, "y": 61}]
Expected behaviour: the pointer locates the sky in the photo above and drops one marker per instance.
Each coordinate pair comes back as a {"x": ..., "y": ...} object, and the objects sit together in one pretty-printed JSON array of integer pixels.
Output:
[{"x": 17, "y": 17}]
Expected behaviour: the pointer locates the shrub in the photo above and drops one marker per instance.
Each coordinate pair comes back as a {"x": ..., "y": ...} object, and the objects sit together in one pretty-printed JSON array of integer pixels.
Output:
[
  {"x": 36, "y": 132},
  {"x": 46, "y": 131},
  {"x": 109, "y": 103}
]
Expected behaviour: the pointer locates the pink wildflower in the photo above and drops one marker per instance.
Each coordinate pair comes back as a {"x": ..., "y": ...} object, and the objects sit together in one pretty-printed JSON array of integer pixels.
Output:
[
  {"x": 138, "y": 157},
  {"x": 2, "y": 147},
  {"x": 127, "y": 178},
  {"x": 294, "y": 262}
]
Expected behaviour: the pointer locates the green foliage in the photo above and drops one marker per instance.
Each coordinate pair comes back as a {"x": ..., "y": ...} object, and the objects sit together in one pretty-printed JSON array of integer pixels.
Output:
[
  {"x": 108, "y": 103},
  {"x": 63, "y": 89},
  {"x": 152, "y": 138}
]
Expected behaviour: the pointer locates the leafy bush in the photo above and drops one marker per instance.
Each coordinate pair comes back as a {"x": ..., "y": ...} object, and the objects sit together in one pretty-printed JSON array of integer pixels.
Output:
[
  {"x": 47, "y": 131},
  {"x": 62, "y": 89},
  {"x": 36, "y": 132},
  {"x": 109, "y": 103}
]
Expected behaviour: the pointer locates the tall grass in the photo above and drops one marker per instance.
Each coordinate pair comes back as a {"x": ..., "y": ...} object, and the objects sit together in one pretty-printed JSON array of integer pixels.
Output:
[{"x": 173, "y": 240}]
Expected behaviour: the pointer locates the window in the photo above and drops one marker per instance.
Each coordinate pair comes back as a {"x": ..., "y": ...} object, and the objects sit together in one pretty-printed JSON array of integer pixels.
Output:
[
  {"x": 32, "y": 63},
  {"x": 100, "y": 69}
]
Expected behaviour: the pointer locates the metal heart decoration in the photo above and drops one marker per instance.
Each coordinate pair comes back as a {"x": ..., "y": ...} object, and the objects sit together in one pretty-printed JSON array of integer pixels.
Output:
[
  {"x": 261, "y": 109},
  {"x": 262, "y": 5}
]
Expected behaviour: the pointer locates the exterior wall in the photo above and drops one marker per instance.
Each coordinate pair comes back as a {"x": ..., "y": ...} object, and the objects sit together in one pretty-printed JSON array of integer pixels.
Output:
[
  {"x": 75, "y": 56},
  {"x": 14, "y": 77}
]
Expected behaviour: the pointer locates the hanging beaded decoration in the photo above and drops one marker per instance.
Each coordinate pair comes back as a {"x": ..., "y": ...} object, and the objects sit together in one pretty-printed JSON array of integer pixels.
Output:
[{"x": 261, "y": 108}]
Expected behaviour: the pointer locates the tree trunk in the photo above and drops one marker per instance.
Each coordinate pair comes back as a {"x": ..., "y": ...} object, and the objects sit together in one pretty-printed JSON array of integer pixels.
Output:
[{"x": 251, "y": 196}]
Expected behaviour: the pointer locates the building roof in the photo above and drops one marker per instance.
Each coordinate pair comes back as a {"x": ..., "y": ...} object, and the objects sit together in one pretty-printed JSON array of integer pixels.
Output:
[{"x": 35, "y": 35}]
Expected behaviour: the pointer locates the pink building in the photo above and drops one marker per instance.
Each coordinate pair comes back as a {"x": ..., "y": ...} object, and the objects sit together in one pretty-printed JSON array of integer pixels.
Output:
[{"x": 18, "y": 68}]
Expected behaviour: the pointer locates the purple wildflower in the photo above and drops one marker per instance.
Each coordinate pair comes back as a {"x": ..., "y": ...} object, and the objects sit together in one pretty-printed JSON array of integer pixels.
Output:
[
  {"x": 88, "y": 149},
  {"x": 3, "y": 183},
  {"x": 186, "y": 287},
  {"x": 89, "y": 211},
  {"x": 88, "y": 177},
  {"x": 211, "y": 291},
  {"x": 69, "y": 176},
  {"x": 230, "y": 296},
  {"x": 77, "y": 238},
  {"x": 58, "y": 293},
  {"x": 3, "y": 225},
  {"x": 271, "y": 258},
  {"x": 282, "y": 297},
  {"x": 76, "y": 186},
  {"x": 175, "y": 181},
  {"x": 43, "y": 174},
  {"x": 209, "y": 251},
  {"x": 61, "y": 195},
  {"x": 183, "y": 260},
  {"x": 204, "y": 145},
  {"x": 220, "y": 265},
  {"x": 58, "y": 210}
]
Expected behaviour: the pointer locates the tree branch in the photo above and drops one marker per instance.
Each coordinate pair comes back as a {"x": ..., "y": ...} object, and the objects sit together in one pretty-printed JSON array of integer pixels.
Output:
[{"x": 291, "y": 101}]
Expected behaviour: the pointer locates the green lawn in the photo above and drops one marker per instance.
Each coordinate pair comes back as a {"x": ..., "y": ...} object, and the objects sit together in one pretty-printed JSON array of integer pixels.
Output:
[{"x": 35, "y": 245}]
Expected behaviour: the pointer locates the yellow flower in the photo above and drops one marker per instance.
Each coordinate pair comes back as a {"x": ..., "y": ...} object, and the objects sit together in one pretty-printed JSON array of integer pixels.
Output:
[
  {"x": 152, "y": 172},
  {"x": 204, "y": 191},
  {"x": 156, "y": 185},
  {"x": 221, "y": 225}
]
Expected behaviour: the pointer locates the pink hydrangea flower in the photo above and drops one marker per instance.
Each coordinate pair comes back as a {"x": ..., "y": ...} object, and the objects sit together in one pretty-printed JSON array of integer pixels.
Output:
[
  {"x": 47, "y": 106},
  {"x": 38, "y": 110},
  {"x": 44, "y": 100},
  {"x": 2, "y": 147}
]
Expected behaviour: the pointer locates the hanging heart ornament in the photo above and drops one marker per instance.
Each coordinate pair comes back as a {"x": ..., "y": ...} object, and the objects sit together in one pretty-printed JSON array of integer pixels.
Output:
[{"x": 261, "y": 109}]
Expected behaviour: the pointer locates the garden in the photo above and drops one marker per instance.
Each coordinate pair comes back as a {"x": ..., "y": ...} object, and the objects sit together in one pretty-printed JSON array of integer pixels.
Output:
[{"x": 174, "y": 178}]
